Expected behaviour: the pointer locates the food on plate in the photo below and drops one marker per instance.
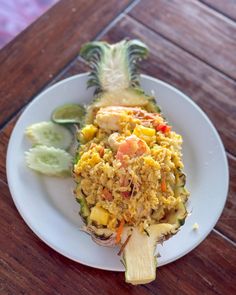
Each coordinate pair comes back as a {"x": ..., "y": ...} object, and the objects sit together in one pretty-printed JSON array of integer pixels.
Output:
[
  {"x": 49, "y": 160},
  {"x": 68, "y": 114},
  {"x": 49, "y": 134},
  {"x": 48, "y": 155},
  {"x": 128, "y": 164},
  {"x": 128, "y": 167}
]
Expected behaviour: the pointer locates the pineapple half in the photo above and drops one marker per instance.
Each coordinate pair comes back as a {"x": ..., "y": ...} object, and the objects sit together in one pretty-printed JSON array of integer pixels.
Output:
[{"x": 115, "y": 77}]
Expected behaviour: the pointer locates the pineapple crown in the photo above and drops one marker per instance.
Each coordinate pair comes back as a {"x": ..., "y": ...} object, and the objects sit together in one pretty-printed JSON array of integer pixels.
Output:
[{"x": 114, "y": 66}]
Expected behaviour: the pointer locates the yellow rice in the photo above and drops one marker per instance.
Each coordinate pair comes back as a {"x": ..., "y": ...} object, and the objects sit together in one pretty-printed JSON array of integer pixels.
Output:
[{"x": 142, "y": 175}]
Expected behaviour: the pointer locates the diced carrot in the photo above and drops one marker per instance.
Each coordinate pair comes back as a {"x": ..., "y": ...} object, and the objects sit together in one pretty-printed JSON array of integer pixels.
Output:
[
  {"x": 126, "y": 194},
  {"x": 101, "y": 152},
  {"x": 107, "y": 195},
  {"x": 163, "y": 183},
  {"x": 120, "y": 230}
]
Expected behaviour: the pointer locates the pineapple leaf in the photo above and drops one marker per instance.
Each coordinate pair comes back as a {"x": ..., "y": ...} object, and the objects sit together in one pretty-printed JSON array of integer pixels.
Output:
[{"x": 114, "y": 67}]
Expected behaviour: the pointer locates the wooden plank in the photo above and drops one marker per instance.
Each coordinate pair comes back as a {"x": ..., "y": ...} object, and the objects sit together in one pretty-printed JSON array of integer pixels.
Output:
[
  {"x": 227, "y": 222},
  {"x": 228, "y": 7},
  {"x": 194, "y": 27},
  {"x": 4, "y": 139},
  {"x": 77, "y": 66},
  {"x": 33, "y": 58},
  {"x": 29, "y": 266},
  {"x": 211, "y": 90}
]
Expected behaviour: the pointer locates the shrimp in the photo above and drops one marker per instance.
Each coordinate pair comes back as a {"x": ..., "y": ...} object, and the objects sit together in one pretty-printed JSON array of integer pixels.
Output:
[
  {"x": 132, "y": 146},
  {"x": 113, "y": 141},
  {"x": 109, "y": 118}
]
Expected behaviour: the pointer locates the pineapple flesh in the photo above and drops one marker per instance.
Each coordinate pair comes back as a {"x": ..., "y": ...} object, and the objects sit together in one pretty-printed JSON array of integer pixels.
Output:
[{"x": 139, "y": 254}]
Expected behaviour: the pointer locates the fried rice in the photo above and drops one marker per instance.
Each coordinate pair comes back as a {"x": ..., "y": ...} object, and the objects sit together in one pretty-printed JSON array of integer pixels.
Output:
[{"x": 139, "y": 187}]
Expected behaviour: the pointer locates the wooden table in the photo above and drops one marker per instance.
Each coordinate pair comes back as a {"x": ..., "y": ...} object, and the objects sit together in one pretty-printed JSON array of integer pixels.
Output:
[{"x": 193, "y": 47}]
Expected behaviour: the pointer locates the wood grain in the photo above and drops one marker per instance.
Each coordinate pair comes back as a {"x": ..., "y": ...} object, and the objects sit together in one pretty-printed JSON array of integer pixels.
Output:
[
  {"x": 227, "y": 7},
  {"x": 4, "y": 139},
  {"x": 77, "y": 66},
  {"x": 195, "y": 28},
  {"x": 28, "y": 266},
  {"x": 227, "y": 222},
  {"x": 211, "y": 90},
  {"x": 33, "y": 58}
]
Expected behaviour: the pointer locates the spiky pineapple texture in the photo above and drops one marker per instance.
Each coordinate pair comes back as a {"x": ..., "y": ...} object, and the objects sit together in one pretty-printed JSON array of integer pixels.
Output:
[{"x": 114, "y": 66}]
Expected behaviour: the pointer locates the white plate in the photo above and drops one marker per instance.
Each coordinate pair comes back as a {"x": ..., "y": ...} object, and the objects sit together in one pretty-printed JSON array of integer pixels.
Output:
[{"x": 48, "y": 206}]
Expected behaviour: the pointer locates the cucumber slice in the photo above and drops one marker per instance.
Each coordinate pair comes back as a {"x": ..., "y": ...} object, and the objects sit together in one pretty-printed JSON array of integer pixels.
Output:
[
  {"x": 49, "y": 160},
  {"x": 68, "y": 114},
  {"x": 49, "y": 134}
]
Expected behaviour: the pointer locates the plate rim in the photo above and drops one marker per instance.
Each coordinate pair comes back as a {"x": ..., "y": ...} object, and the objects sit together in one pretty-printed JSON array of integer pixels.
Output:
[{"x": 63, "y": 252}]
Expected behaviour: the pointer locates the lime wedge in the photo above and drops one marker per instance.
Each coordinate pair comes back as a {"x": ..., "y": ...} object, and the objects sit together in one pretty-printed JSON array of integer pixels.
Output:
[{"x": 68, "y": 114}]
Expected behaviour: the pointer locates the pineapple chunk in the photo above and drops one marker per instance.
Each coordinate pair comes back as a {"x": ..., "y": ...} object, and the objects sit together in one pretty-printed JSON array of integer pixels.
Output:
[
  {"x": 139, "y": 129},
  {"x": 99, "y": 215},
  {"x": 88, "y": 132},
  {"x": 144, "y": 133}
]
